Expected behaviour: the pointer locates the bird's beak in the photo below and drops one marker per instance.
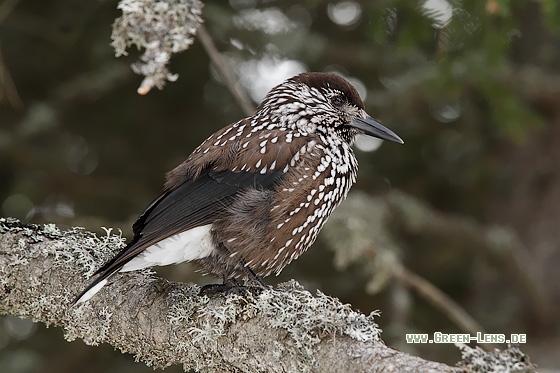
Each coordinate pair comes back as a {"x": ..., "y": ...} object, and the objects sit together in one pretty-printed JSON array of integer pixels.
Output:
[{"x": 373, "y": 128}]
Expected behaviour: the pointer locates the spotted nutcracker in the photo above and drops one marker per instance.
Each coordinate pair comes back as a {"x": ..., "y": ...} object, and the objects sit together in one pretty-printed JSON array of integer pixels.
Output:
[{"x": 254, "y": 195}]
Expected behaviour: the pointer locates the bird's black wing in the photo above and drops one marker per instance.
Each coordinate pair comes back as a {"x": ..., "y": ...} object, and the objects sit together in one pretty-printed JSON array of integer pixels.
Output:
[{"x": 193, "y": 203}]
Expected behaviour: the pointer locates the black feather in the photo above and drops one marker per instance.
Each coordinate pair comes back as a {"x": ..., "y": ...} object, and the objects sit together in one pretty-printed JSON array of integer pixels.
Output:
[{"x": 193, "y": 203}]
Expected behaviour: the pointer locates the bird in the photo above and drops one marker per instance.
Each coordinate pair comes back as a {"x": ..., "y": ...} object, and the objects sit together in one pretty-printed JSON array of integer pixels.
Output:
[{"x": 255, "y": 194}]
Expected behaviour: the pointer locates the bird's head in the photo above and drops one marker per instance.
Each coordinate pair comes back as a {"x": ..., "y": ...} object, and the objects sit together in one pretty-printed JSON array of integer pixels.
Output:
[{"x": 326, "y": 102}]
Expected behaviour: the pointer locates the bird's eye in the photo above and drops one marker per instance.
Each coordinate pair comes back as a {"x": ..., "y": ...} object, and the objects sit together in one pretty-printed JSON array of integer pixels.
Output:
[{"x": 337, "y": 100}]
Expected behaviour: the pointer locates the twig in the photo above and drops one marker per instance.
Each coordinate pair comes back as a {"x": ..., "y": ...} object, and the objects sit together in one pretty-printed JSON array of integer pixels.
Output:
[
  {"x": 440, "y": 300},
  {"x": 365, "y": 225},
  {"x": 497, "y": 243},
  {"x": 225, "y": 71},
  {"x": 7, "y": 85}
]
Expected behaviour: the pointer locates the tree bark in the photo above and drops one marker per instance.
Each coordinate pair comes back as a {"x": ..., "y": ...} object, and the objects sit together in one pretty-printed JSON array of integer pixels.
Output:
[{"x": 285, "y": 329}]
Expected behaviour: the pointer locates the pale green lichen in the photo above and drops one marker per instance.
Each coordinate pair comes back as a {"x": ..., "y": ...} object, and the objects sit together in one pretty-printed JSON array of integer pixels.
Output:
[
  {"x": 476, "y": 360},
  {"x": 87, "y": 249},
  {"x": 306, "y": 318},
  {"x": 204, "y": 324},
  {"x": 52, "y": 230},
  {"x": 75, "y": 244},
  {"x": 162, "y": 28},
  {"x": 95, "y": 331}
]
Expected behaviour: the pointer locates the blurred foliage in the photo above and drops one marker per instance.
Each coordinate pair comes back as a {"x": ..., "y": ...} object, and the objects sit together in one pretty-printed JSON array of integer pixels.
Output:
[{"x": 471, "y": 86}]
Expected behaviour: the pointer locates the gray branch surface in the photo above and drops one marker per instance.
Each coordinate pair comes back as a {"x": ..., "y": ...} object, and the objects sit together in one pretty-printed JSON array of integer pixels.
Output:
[{"x": 286, "y": 329}]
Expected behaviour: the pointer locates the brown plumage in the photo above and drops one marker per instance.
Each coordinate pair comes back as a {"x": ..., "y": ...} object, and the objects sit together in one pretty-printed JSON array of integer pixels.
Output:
[{"x": 254, "y": 195}]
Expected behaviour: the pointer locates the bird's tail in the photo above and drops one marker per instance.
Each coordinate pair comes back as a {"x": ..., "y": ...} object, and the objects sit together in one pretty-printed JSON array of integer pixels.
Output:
[
  {"x": 113, "y": 266},
  {"x": 95, "y": 286}
]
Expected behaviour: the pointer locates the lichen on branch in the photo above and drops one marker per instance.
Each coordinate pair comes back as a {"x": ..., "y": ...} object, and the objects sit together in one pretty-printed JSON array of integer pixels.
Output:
[
  {"x": 163, "y": 323},
  {"x": 162, "y": 28}
]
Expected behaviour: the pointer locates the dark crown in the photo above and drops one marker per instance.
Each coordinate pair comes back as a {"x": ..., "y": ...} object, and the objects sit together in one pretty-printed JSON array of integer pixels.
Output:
[{"x": 310, "y": 102}]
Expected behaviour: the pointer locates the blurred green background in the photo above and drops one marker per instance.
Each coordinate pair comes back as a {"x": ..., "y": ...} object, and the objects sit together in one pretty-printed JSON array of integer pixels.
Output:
[{"x": 473, "y": 87}]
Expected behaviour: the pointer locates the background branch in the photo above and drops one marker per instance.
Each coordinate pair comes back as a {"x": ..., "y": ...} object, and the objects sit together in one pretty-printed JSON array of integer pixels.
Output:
[
  {"x": 369, "y": 226},
  {"x": 225, "y": 71}
]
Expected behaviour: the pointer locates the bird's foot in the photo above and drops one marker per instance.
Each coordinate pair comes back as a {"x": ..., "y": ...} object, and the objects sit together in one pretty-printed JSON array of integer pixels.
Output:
[
  {"x": 231, "y": 286},
  {"x": 253, "y": 279},
  {"x": 214, "y": 289}
]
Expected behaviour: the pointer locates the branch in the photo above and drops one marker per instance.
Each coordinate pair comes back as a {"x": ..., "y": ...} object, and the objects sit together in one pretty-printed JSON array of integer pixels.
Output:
[
  {"x": 8, "y": 88},
  {"x": 164, "y": 323},
  {"x": 364, "y": 223},
  {"x": 439, "y": 300},
  {"x": 225, "y": 71}
]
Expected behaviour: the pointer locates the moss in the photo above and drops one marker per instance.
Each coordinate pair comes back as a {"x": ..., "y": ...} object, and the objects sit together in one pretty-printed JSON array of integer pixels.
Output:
[
  {"x": 306, "y": 320},
  {"x": 477, "y": 360},
  {"x": 161, "y": 28},
  {"x": 200, "y": 327}
]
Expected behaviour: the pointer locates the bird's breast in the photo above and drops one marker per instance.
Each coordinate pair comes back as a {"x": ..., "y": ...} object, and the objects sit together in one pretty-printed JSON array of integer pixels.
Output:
[{"x": 270, "y": 228}]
